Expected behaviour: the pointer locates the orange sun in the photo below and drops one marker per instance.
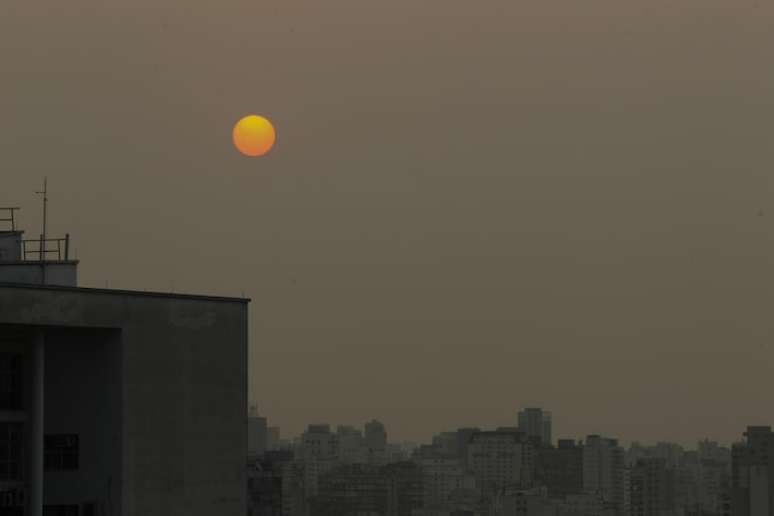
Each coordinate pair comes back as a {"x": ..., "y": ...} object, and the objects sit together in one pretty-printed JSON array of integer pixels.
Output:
[{"x": 254, "y": 135}]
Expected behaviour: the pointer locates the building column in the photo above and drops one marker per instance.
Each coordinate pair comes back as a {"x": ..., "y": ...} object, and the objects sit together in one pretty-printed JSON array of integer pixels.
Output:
[{"x": 36, "y": 425}]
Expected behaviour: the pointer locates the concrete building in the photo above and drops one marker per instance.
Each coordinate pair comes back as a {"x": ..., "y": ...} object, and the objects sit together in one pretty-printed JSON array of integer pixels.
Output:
[
  {"x": 116, "y": 402},
  {"x": 375, "y": 442},
  {"x": 560, "y": 468},
  {"x": 652, "y": 488},
  {"x": 536, "y": 423},
  {"x": 495, "y": 459},
  {"x": 442, "y": 476},
  {"x": 273, "y": 438},
  {"x": 351, "y": 446},
  {"x": 603, "y": 470},
  {"x": 257, "y": 434},
  {"x": 752, "y": 473},
  {"x": 389, "y": 490}
]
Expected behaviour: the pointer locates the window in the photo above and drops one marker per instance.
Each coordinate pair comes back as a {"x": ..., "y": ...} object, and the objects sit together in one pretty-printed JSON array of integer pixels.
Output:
[
  {"x": 11, "y": 441},
  {"x": 10, "y": 381},
  {"x": 60, "y": 452}
]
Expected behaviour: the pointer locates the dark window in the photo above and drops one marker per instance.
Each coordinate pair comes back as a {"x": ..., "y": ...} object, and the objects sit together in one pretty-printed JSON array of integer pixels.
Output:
[
  {"x": 60, "y": 452},
  {"x": 11, "y": 451},
  {"x": 10, "y": 381},
  {"x": 60, "y": 510}
]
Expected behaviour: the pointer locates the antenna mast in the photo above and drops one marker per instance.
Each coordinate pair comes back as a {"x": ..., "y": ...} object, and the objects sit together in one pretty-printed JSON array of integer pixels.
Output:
[{"x": 44, "y": 192}]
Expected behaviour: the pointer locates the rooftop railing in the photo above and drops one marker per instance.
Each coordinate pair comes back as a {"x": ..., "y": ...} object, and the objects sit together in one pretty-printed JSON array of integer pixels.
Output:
[
  {"x": 8, "y": 218},
  {"x": 41, "y": 249}
]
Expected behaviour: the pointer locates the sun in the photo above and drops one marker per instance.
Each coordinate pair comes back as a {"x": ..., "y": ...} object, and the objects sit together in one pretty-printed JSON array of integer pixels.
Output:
[{"x": 254, "y": 135}]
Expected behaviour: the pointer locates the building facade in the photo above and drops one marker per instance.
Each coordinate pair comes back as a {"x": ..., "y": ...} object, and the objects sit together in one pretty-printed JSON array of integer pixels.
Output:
[{"x": 117, "y": 402}]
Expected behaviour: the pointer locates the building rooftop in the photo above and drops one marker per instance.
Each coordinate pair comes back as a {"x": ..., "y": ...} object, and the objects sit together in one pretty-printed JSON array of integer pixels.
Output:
[{"x": 109, "y": 291}]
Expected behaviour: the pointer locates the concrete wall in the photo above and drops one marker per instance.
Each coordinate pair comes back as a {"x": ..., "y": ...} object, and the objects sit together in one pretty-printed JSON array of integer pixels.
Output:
[
  {"x": 57, "y": 273},
  {"x": 183, "y": 390},
  {"x": 83, "y": 397},
  {"x": 10, "y": 246}
]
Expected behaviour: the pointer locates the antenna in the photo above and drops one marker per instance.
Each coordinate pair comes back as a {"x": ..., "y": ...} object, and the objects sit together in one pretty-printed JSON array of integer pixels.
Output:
[{"x": 44, "y": 192}]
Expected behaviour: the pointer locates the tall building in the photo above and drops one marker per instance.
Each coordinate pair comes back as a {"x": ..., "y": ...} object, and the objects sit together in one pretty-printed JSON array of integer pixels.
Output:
[
  {"x": 116, "y": 402},
  {"x": 442, "y": 476},
  {"x": 390, "y": 490},
  {"x": 463, "y": 438},
  {"x": 752, "y": 473},
  {"x": 351, "y": 447},
  {"x": 536, "y": 423},
  {"x": 496, "y": 460},
  {"x": 560, "y": 468},
  {"x": 652, "y": 488},
  {"x": 256, "y": 433},
  {"x": 319, "y": 453},
  {"x": 603, "y": 470},
  {"x": 375, "y": 442},
  {"x": 273, "y": 438}
]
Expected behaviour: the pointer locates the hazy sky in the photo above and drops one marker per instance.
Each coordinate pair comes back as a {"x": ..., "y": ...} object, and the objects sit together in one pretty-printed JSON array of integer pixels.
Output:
[{"x": 472, "y": 205}]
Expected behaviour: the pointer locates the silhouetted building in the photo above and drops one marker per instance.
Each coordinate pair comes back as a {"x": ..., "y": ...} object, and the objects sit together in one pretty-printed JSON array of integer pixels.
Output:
[
  {"x": 273, "y": 438},
  {"x": 117, "y": 402},
  {"x": 256, "y": 434},
  {"x": 351, "y": 445},
  {"x": 357, "y": 489},
  {"x": 560, "y": 469},
  {"x": 603, "y": 470},
  {"x": 442, "y": 476},
  {"x": 496, "y": 460},
  {"x": 264, "y": 483},
  {"x": 536, "y": 423},
  {"x": 652, "y": 488},
  {"x": 752, "y": 473},
  {"x": 375, "y": 442},
  {"x": 463, "y": 439}
]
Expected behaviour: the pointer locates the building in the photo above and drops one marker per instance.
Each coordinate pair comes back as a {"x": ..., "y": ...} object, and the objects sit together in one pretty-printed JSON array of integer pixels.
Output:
[
  {"x": 536, "y": 423},
  {"x": 603, "y": 470},
  {"x": 442, "y": 476},
  {"x": 358, "y": 489},
  {"x": 652, "y": 488},
  {"x": 375, "y": 442},
  {"x": 273, "y": 438},
  {"x": 351, "y": 445},
  {"x": 264, "y": 483},
  {"x": 116, "y": 402},
  {"x": 560, "y": 468},
  {"x": 257, "y": 434},
  {"x": 319, "y": 453},
  {"x": 496, "y": 460},
  {"x": 752, "y": 473}
]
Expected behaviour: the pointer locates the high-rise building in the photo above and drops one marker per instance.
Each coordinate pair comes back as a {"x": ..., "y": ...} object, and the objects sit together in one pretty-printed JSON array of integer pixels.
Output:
[
  {"x": 116, "y": 402},
  {"x": 496, "y": 460},
  {"x": 463, "y": 439},
  {"x": 390, "y": 490},
  {"x": 375, "y": 442},
  {"x": 273, "y": 438},
  {"x": 603, "y": 470},
  {"x": 652, "y": 488},
  {"x": 256, "y": 433},
  {"x": 752, "y": 473},
  {"x": 536, "y": 423},
  {"x": 560, "y": 468},
  {"x": 442, "y": 476},
  {"x": 351, "y": 447}
]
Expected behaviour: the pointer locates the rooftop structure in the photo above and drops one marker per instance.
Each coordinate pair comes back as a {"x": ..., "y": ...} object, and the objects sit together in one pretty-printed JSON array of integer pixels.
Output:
[{"x": 40, "y": 260}]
